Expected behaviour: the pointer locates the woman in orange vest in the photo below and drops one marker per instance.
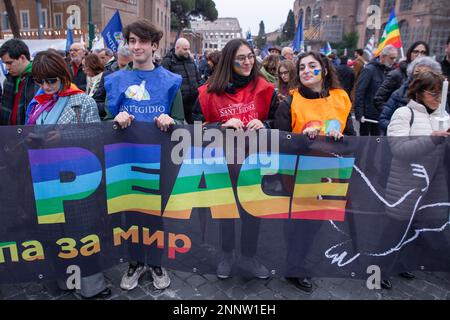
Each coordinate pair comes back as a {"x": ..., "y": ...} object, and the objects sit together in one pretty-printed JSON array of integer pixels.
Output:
[
  {"x": 319, "y": 106},
  {"x": 237, "y": 95}
]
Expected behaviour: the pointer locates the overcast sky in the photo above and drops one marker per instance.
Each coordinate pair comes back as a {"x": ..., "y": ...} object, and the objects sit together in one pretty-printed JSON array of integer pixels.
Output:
[{"x": 251, "y": 12}]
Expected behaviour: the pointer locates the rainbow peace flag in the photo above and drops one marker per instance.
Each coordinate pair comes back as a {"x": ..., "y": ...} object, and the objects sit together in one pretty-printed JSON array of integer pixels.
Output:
[{"x": 391, "y": 34}]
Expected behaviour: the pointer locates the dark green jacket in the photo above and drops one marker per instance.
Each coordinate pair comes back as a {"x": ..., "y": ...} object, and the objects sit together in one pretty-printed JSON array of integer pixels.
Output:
[{"x": 7, "y": 102}]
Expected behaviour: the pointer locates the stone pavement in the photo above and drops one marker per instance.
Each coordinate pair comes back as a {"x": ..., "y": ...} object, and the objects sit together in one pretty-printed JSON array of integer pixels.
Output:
[{"x": 190, "y": 286}]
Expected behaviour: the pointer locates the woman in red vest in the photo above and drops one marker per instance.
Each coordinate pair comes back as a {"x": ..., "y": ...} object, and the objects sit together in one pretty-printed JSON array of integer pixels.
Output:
[{"x": 237, "y": 95}]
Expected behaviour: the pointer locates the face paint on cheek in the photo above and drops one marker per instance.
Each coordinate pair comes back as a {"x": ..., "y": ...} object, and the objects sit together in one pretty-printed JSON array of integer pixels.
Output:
[
  {"x": 317, "y": 72},
  {"x": 237, "y": 65}
]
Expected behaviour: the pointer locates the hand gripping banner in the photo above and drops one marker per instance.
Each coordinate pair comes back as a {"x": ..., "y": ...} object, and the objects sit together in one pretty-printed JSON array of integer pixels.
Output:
[{"x": 95, "y": 196}]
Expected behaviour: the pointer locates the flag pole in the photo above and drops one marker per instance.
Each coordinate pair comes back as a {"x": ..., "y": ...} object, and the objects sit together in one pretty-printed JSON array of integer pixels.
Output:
[{"x": 402, "y": 52}]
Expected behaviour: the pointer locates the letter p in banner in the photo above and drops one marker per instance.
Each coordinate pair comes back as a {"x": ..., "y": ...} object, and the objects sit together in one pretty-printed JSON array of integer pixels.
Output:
[{"x": 60, "y": 175}]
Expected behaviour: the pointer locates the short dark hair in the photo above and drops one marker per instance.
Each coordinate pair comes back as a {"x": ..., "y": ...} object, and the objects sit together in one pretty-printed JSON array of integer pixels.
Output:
[
  {"x": 49, "y": 64},
  {"x": 15, "y": 48},
  {"x": 344, "y": 59},
  {"x": 144, "y": 29},
  {"x": 360, "y": 51},
  {"x": 92, "y": 61},
  {"x": 427, "y": 80}
]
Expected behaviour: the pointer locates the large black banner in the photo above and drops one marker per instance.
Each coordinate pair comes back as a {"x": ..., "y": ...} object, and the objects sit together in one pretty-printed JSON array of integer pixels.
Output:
[{"x": 94, "y": 196}]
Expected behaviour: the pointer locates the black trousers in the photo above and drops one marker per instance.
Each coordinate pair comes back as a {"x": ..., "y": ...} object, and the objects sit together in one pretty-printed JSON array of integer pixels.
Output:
[{"x": 369, "y": 129}]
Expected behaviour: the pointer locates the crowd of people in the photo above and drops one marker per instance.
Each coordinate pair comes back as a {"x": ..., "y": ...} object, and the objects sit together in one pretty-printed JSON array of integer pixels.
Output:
[{"x": 305, "y": 93}]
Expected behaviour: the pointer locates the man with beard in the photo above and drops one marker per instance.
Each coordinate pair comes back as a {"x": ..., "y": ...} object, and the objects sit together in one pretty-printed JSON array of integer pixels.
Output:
[{"x": 77, "y": 53}]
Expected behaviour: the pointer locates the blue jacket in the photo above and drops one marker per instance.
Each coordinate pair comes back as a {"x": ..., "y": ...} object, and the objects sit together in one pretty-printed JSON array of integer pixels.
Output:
[{"x": 398, "y": 99}]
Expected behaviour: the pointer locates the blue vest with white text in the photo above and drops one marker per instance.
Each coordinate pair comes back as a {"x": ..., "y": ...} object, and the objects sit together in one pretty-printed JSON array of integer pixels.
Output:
[{"x": 143, "y": 94}]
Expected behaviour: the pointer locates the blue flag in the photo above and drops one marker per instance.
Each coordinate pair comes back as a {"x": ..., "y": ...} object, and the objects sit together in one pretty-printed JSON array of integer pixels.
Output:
[
  {"x": 69, "y": 40},
  {"x": 249, "y": 38},
  {"x": 297, "y": 44},
  {"x": 265, "y": 50},
  {"x": 328, "y": 49},
  {"x": 113, "y": 32}
]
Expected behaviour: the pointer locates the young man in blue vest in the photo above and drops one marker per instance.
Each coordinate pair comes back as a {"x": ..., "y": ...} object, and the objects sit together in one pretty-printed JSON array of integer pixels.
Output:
[{"x": 147, "y": 93}]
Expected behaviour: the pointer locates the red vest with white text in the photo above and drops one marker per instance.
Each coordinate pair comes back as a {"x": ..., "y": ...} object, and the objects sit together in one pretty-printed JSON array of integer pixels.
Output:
[{"x": 246, "y": 104}]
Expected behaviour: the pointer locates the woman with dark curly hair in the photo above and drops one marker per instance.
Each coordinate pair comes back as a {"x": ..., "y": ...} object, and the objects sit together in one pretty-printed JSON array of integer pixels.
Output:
[{"x": 319, "y": 106}]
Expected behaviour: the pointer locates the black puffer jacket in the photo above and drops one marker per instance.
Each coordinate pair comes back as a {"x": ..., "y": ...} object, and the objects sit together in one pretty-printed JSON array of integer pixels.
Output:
[
  {"x": 393, "y": 81},
  {"x": 188, "y": 70},
  {"x": 371, "y": 78},
  {"x": 445, "y": 64}
]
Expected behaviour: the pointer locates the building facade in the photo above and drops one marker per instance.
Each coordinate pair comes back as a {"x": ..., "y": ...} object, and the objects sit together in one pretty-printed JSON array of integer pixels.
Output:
[
  {"x": 195, "y": 40},
  {"x": 329, "y": 20},
  {"x": 216, "y": 34},
  {"x": 56, "y": 14}
]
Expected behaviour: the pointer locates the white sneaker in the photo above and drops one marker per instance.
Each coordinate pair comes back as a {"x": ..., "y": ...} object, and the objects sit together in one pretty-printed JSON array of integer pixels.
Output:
[
  {"x": 161, "y": 278},
  {"x": 131, "y": 278}
]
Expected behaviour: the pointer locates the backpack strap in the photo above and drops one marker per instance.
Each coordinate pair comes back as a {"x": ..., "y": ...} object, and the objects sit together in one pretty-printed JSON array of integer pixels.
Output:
[{"x": 412, "y": 117}]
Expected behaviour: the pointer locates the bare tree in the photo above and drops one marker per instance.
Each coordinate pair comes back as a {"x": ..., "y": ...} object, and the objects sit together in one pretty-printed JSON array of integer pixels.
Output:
[{"x": 12, "y": 18}]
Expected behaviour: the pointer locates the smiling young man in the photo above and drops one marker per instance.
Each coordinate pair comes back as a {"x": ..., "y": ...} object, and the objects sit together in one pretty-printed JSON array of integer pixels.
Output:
[
  {"x": 19, "y": 87},
  {"x": 147, "y": 93}
]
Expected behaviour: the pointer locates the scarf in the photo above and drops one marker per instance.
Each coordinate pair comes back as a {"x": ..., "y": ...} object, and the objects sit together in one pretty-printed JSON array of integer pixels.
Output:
[
  {"x": 270, "y": 77},
  {"x": 310, "y": 94},
  {"x": 238, "y": 81},
  {"x": 43, "y": 102},
  {"x": 92, "y": 84},
  {"x": 20, "y": 78}
]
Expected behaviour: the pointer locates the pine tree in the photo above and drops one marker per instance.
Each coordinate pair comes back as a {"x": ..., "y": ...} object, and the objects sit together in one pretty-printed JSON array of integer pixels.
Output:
[{"x": 289, "y": 27}]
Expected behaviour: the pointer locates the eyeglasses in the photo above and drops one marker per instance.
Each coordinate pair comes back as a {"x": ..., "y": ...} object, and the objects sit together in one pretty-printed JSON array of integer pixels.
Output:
[
  {"x": 74, "y": 50},
  {"x": 49, "y": 81},
  {"x": 242, "y": 58},
  {"x": 435, "y": 95},
  {"x": 285, "y": 73},
  {"x": 419, "y": 52}
]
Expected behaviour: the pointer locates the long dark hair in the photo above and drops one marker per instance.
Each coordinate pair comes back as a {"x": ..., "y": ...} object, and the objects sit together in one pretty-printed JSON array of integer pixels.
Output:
[
  {"x": 330, "y": 78},
  {"x": 223, "y": 73},
  {"x": 413, "y": 46}
]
